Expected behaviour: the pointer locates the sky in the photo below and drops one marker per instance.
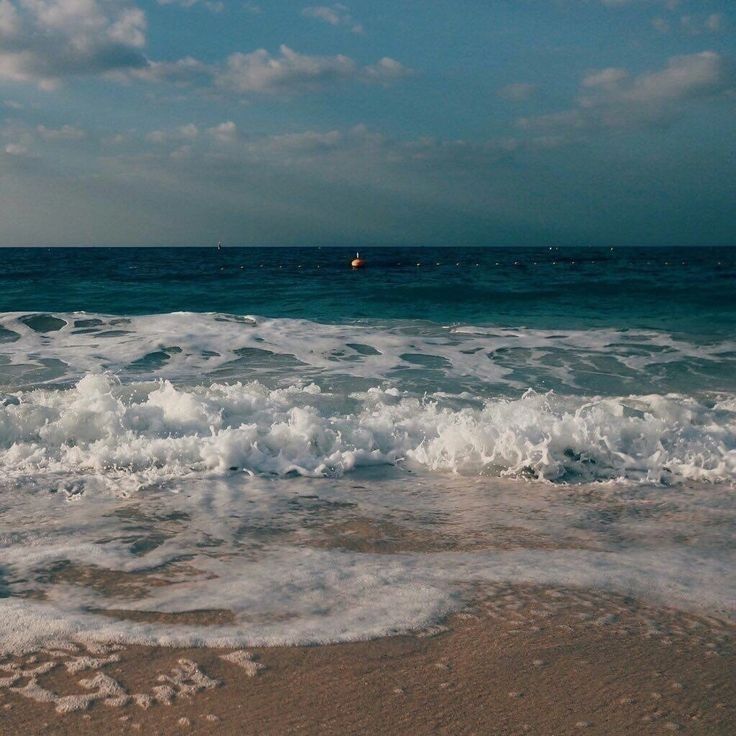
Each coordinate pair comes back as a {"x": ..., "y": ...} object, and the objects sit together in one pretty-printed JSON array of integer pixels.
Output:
[{"x": 401, "y": 122}]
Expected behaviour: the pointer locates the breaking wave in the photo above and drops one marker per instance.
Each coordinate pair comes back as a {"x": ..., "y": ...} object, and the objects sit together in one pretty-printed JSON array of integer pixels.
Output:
[{"x": 152, "y": 432}]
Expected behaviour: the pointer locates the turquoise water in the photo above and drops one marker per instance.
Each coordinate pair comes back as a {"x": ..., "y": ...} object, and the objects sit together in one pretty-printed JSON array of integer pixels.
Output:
[
  {"x": 639, "y": 320},
  {"x": 690, "y": 290}
]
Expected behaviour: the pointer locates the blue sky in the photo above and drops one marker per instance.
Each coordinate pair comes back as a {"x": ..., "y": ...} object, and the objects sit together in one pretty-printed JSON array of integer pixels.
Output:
[{"x": 505, "y": 122}]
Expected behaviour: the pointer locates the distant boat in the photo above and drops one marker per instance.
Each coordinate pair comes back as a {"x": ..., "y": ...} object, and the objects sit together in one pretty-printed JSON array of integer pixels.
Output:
[{"x": 219, "y": 245}]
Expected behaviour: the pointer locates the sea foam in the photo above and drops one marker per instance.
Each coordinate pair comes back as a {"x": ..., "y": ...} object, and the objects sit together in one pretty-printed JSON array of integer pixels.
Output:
[
  {"x": 320, "y": 597},
  {"x": 153, "y": 432},
  {"x": 56, "y": 350}
]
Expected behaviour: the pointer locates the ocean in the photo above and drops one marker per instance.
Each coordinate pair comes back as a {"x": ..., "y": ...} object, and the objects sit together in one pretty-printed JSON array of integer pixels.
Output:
[{"x": 200, "y": 429}]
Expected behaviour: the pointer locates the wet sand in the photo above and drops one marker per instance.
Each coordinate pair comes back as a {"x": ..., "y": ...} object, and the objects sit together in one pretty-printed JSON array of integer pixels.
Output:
[{"x": 521, "y": 660}]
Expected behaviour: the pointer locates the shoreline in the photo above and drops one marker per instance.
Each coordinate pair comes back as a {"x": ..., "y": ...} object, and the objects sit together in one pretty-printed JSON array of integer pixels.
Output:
[{"x": 521, "y": 659}]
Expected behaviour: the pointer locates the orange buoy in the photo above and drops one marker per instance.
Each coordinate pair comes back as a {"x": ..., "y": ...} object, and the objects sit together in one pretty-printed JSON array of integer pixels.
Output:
[{"x": 357, "y": 262}]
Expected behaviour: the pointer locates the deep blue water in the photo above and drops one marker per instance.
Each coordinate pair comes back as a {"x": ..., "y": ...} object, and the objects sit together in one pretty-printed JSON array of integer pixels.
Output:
[{"x": 680, "y": 290}]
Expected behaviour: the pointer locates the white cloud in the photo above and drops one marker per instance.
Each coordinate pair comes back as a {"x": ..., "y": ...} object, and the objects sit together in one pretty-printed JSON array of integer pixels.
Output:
[
  {"x": 343, "y": 151},
  {"x": 130, "y": 28},
  {"x": 694, "y": 25},
  {"x": 188, "y": 132},
  {"x": 605, "y": 77},
  {"x": 685, "y": 77},
  {"x": 9, "y": 19},
  {"x": 214, "y": 6},
  {"x": 340, "y": 150},
  {"x": 262, "y": 72},
  {"x": 226, "y": 132},
  {"x": 386, "y": 70},
  {"x": 15, "y": 149},
  {"x": 44, "y": 41},
  {"x": 65, "y": 133},
  {"x": 697, "y": 25},
  {"x": 290, "y": 72},
  {"x": 335, "y": 15},
  {"x": 305, "y": 142},
  {"x": 323, "y": 12},
  {"x": 612, "y": 98},
  {"x": 184, "y": 71},
  {"x": 284, "y": 73}
]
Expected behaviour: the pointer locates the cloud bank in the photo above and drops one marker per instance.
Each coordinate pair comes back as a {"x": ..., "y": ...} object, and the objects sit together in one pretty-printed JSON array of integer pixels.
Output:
[
  {"x": 46, "y": 41},
  {"x": 614, "y": 98},
  {"x": 43, "y": 41}
]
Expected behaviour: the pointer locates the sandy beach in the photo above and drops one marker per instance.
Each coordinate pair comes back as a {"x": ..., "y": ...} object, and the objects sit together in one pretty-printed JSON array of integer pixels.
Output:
[{"x": 520, "y": 660}]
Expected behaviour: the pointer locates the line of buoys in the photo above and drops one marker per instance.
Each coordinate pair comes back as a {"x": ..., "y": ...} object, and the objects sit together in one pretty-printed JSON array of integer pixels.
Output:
[{"x": 359, "y": 262}]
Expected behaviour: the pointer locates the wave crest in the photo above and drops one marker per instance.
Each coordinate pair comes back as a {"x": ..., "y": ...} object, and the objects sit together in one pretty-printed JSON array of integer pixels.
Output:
[{"x": 155, "y": 432}]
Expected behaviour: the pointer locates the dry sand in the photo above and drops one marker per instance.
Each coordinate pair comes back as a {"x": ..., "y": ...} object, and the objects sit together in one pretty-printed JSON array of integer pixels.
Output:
[{"x": 521, "y": 661}]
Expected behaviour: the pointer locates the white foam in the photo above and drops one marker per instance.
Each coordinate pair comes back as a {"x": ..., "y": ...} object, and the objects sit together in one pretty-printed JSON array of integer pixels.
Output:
[
  {"x": 333, "y": 596},
  {"x": 252, "y": 546},
  {"x": 189, "y": 346},
  {"x": 144, "y": 433}
]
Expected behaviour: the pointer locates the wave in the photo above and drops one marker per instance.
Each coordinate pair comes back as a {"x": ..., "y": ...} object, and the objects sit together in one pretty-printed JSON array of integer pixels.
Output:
[
  {"x": 144, "y": 433},
  {"x": 59, "y": 349},
  {"x": 335, "y": 596}
]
